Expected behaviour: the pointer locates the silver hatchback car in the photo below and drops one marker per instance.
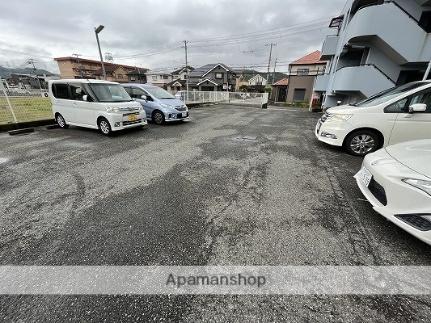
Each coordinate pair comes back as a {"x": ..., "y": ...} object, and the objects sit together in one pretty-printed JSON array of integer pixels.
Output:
[{"x": 159, "y": 105}]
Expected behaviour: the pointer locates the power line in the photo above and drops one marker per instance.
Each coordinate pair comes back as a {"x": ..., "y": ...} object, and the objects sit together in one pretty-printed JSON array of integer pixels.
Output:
[{"x": 253, "y": 34}]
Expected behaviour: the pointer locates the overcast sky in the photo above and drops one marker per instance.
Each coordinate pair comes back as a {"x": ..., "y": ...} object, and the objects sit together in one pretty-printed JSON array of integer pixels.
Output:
[{"x": 150, "y": 33}]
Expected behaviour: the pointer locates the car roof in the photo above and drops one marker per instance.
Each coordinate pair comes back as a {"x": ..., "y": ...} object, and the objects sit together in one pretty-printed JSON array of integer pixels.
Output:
[
  {"x": 88, "y": 81},
  {"x": 141, "y": 85}
]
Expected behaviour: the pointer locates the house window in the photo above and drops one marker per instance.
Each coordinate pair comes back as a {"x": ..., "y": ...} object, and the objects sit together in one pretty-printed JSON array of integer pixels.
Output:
[
  {"x": 154, "y": 77},
  {"x": 303, "y": 71},
  {"x": 120, "y": 76},
  {"x": 299, "y": 95},
  {"x": 165, "y": 77},
  {"x": 218, "y": 76}
]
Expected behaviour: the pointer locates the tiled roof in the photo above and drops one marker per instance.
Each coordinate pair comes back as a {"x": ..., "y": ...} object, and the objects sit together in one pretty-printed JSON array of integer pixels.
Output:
[
  {"x": 309, "y": 59},
  {"x": 198, "y": 72},
  {"x": 282, "y": 82},
  {"x": 84, "y": 60}
]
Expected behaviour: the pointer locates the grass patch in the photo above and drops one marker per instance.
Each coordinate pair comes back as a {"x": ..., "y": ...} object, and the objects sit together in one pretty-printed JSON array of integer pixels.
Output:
[{"x": 25, "y": 109}]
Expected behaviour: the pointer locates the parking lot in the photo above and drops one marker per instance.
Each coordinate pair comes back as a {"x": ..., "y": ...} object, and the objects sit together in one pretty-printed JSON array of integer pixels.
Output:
[{"x": 234, "y": 186}]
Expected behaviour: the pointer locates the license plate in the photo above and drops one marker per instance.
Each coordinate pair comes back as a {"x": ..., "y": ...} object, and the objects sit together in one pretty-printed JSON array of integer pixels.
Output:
[
  {"x": 184, "y": 114},
  {"x": 132, "y": 117},
  {"x": 365, "y": 176}
]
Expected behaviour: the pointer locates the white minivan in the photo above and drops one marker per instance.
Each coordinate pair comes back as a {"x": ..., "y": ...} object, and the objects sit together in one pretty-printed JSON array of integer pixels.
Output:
[
  {"x": 94, "y": 104},
  {"x": 399, "y": 114}
]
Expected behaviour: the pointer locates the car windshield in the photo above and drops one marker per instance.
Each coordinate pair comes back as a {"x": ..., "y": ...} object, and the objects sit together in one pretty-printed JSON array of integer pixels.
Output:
[
  {"x": 159, "y": 93},
  {"x": 387, "y": 95},
  {"x": 110, "y": 92}
]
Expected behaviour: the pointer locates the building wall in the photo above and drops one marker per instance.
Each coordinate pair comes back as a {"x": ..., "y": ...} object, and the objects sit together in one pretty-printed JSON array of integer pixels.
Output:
[
  {"x": 300, "y": 82},
  {"x": 73, "y": 69},
  {"x": 394, "y": 45}
]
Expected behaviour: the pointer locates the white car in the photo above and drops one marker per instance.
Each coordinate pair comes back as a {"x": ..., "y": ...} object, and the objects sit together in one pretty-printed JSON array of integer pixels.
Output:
[
  {"x": 396, "y": 180},
  {"x": 396, "y": 115},
  {"x": 94, "y": 104}
]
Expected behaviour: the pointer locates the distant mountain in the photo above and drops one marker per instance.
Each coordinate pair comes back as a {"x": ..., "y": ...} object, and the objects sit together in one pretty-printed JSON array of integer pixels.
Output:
[{"x": 5, "y": 71}]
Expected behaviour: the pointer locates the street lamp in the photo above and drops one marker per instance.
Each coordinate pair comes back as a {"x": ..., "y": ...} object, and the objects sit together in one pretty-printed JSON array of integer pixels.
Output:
[{"x": 97, "y": 31}]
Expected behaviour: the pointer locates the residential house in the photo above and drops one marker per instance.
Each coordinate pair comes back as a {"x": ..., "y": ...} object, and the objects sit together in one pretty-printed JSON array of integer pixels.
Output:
[
  {"x": 138, "y": 76},
  {"x": 160, "y": 79},
  {"x": 74, "y": 68},
  {"x": 179, "y": 78},
  {"x": 23, "y": 81},
  {"x": 302, "y": 74},
  {"x": 213, "y": 77},
  {"x": 247, "y": 78},
  {"x": 279, "y": 90},
  {"x": 375, "y": 45}
]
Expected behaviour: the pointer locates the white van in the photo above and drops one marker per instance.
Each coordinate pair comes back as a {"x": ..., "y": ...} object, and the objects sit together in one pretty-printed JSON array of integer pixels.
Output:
[
  {"x": 94, "y": 104},
  {"x": 396, "y": 115}
]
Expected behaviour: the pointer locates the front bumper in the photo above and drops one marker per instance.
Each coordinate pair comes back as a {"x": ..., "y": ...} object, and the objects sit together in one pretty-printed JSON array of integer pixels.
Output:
[
  {"x": 128, "y": 120},
  {"x": 332, "y": 132},
  {"x": 394, "y": 199},
  {"x": 177, "y": 116}
]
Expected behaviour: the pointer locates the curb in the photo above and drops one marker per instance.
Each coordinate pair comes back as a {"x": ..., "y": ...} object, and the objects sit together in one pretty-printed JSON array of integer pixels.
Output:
[
  {"x": 23, "y": 125},
  {"x": 20, "y": 131}
]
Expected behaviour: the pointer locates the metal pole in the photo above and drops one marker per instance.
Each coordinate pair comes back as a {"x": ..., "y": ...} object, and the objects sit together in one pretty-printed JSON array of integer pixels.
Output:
[
  {"x": 427, "y": 73},
  {"x": 100, "y": 53},
  {"x": 7, "y": 100},
  {"x": 31, "y": 61},
  {"x": 187, "y": 71}
]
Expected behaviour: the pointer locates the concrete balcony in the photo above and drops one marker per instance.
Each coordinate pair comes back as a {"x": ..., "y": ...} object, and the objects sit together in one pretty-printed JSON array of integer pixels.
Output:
[
  {"x": 329, "y": 47},
  {"x": 321, "y": 83},
  {"x": 393, "y": 29},
  {"x": 366, "y": 79}
]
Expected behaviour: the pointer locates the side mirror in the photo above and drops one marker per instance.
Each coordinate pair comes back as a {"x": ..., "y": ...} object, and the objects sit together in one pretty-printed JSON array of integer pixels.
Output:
[
  {"x": 144, "y": 97},
  {"x": 417, "y": 107},
  {"x": 85, "y": 97}
]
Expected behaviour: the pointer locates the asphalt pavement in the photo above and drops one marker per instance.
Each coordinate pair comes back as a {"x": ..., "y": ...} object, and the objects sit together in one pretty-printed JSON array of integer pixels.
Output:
[{"x": 233, "y": 186}]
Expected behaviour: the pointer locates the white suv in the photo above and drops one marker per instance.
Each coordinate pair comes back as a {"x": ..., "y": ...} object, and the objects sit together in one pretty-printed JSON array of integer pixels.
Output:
[
  {"x": 94, "y": 104},
  {"x": 396, "y": 115}
]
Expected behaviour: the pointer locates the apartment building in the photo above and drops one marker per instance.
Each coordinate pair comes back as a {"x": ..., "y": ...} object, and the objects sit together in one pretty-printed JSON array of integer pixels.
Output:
[
  {"x": 375, "y": 45},
  {"x": 75, "y": 68}
]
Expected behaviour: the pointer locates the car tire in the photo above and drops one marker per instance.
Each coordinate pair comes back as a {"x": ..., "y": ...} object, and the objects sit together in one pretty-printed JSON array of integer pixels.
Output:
[
  {"x": 362, "y": 142},
  {"x": 104, "y": 126},
  {"x": 158, "y": 117},
  {"x": 60, "y": 121}
]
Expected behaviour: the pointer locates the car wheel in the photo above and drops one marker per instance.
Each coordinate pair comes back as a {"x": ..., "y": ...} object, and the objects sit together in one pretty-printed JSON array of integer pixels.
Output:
[
  {"x": 362, "y": 142},
  {"x": 158, "y": 117},
  {"x": 104, "y": 126},
  {"x": 60, "y": 121}
]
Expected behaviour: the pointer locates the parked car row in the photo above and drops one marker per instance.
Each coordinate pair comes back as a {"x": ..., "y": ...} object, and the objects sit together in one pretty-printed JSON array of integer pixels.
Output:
[
  {"x": 396, "y": 179},
  {"x": 110, "y": 106}
]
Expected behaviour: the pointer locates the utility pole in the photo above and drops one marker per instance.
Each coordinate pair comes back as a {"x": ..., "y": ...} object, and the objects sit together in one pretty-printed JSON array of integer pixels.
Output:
[
  {"x": 187, "y": 71},
  {"x": 31, "y": 62},
  {"x": 273, "y": 75},
  {"x": 79, "y": 65},
  {"x": 269, "y": 60}
]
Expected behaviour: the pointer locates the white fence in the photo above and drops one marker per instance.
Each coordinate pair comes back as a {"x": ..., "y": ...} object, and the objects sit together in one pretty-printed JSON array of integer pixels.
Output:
[{"x": 237, "y": 98}]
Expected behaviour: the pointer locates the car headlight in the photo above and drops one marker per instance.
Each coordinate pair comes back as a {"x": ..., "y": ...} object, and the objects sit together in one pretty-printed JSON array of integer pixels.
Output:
[
  {"x": 420, "y": 184},
  {"x": 343, "y": 117},
  {"x": 111, "y": 109}
]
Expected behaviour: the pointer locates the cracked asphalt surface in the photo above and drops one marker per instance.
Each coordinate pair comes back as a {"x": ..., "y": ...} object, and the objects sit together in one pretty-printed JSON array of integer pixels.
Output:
[{"x": 234, "y": 186}]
